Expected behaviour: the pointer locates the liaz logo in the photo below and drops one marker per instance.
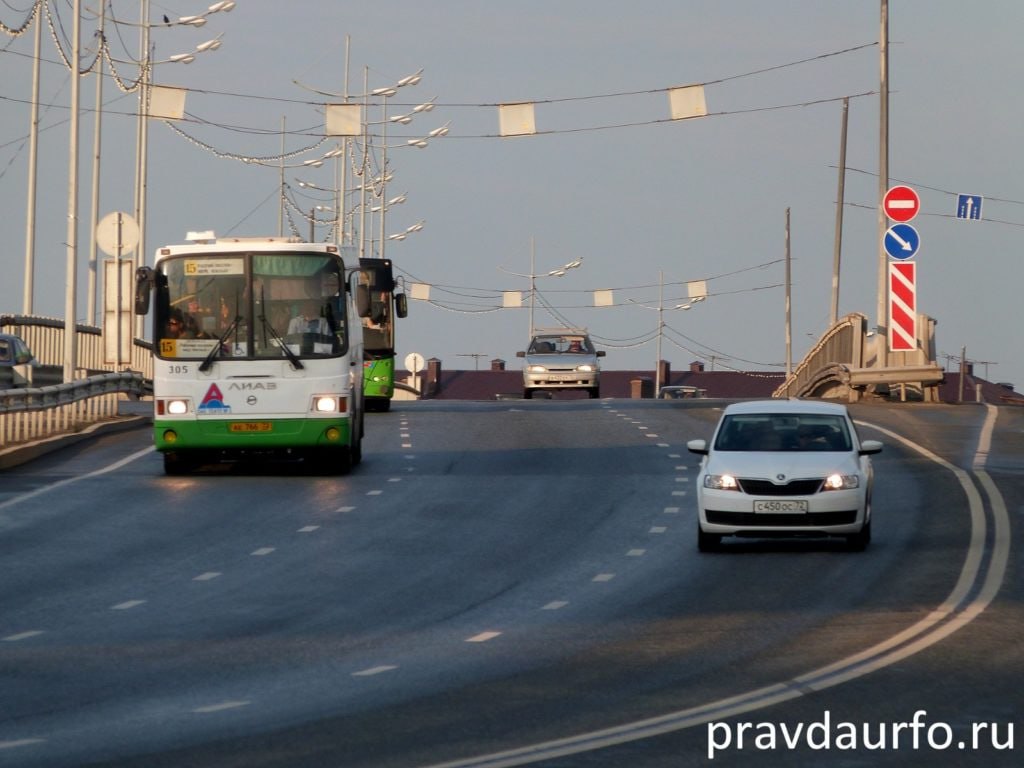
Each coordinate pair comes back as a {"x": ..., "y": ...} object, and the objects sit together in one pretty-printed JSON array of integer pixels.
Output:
[{"x": 213, "y": 401}]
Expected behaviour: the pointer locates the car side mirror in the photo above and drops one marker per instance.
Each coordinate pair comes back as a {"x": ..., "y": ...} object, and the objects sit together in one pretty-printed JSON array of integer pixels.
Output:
[
  {"x": 520, "y": 353},
  {"x": 869, "y": 447},
  {"x": 600, "y": 353},
  {"x": 698, "y": 446}
]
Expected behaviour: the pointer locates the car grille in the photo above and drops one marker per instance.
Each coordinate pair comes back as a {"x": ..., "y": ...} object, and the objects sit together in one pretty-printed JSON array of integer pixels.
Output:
[
  {"x": 755, "y": 520},
  {"x": 792, "y": 488}
]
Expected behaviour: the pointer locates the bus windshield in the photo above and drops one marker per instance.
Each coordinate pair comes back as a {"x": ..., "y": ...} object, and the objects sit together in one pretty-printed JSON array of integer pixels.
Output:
[{"x": 249, "y": 306}]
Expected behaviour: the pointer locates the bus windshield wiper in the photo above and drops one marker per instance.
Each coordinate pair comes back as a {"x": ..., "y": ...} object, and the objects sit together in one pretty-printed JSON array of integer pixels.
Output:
[
  {"x": 205, "y": 365},
  {"x": 292, "y": 357}
]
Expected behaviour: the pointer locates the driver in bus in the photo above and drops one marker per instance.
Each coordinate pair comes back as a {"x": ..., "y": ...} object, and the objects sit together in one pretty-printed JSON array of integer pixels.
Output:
[{"x": 309, "y": 320}]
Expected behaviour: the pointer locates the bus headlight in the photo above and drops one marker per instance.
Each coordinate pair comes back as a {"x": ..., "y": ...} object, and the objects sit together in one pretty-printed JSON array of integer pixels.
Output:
[
  {"x": 173, "y": 407},
  {"x": 325, "y": 404}
]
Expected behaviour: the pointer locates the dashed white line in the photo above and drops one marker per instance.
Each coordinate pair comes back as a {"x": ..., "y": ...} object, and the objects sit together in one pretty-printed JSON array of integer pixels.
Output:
[
  {"x": 671, "y": 510},
  {"x": 345, "y": 509},
  {"x": 220, "y": 707},
  {"x": 604, "y": 577},
  {"x": 636, "y": 553},
  {"x": 308, "y": 528},
  {"x": 678, "y": 493},
  {"x": 658, "y": 529},
  {"x": 663, "y": 445},
  {"x": 374, "y": 493},
  {"x": 483, "y": 637},
  {"x": 22, "y": 636},
  {"x": 554, "y": 605},
  {"x": 127, "y": 605},
  {"x": 371, "y": 671},
  {"x": 262, "y": 551},
  {"x": 208, "y": 576},
  {"x": 682, "y": 479},
  {"x": 394, "y": 479},
  {"x": 15, "y": 743}
]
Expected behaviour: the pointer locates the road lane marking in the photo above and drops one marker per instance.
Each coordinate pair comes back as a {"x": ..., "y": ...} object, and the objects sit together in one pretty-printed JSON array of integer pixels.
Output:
[
  {"x": 371, "y": 671},
  {"x": 374, "y": 493},
  {"x": 127, "y": 605},
  {"x": 658, "y": 529},
  {"x": 221, "y": 707},
  {"x": 604, "y": 577},
  {"x": 308, "y": 529},
  {"x": 958, "y": 610},
  {"x": 636, "y": 553},
  {"x": 68, "y": 480},
  {"x": 16, "y": 743},
  {"x": 22, "y": 636},
  {"x": 671, "y": 510},
  {"x": 345, "y": 509},
  {"x": 262, "y": 551},
  {"x": 554, "y": 605},
  {"x": 208, "y": 576},
  {"x": 483, "y": 637}
]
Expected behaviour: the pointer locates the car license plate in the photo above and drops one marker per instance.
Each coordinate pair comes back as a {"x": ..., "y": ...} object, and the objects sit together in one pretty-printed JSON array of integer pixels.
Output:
[
  {"x": 562, "y": 377},
  {"x": 250, "y": 426},
  {"x": 780, "y": 506}
]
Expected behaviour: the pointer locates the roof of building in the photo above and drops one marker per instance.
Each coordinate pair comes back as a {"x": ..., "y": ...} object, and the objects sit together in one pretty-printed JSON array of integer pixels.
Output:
[{"x": 497, "y": 384}]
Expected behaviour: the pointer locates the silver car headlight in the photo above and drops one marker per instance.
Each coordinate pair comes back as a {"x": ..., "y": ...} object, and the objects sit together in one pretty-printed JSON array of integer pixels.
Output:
[
  {"x": 537, "y": 369},
  {"x": 837, "y": 482},
  {"x": 721, "y": 482},
  {"x": 586, "y": 368}
]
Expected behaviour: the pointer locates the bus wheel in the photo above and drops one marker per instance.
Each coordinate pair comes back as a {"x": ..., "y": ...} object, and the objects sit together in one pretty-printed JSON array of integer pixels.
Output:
[
  {"x": 176, "y": 464},
  {"x": 333, "y": 461}
]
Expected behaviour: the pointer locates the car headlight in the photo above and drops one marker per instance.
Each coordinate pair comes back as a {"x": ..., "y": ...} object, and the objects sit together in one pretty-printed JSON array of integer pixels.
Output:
[
  {"x": 325, "y": 404},
  {"x": 721, "y": 482},
  {"x": 537, "y": 369},
  {"x": 837, "y": 482},
  {"x": 586, "y": 368}
]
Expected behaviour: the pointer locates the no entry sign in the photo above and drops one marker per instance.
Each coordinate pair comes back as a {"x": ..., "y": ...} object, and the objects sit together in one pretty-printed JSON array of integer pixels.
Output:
[{"x": 901, "y": 203}]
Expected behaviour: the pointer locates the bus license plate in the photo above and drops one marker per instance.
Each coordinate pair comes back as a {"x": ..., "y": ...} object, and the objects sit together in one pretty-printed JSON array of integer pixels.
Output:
[
  {"x": 250, "y": 426},
  {"x": 780, "y": 506}
]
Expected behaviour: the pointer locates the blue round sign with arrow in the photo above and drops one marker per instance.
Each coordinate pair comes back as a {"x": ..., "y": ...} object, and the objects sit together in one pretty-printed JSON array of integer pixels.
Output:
[{"x": 901, "y": 241}]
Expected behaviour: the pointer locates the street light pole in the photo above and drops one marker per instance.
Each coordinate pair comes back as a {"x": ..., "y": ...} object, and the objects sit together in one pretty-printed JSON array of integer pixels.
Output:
[
  {"x": 71, "y": 277},
  {"x": 33, "y": 165},
  {"x": 661, "y": 327}
]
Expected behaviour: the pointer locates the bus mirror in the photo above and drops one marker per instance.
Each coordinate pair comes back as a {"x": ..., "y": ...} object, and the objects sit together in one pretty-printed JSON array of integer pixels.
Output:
[
  {"x": 401, "y": 305},
  {"x": 144, "y": 280},
  {"x": 363, "y": 300}
]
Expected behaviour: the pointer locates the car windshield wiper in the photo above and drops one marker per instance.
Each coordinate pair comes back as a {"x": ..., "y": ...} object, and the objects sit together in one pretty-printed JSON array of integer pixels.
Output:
[
  {"x": 292, "y": 357},
  {"x": 205, "y": 365}
]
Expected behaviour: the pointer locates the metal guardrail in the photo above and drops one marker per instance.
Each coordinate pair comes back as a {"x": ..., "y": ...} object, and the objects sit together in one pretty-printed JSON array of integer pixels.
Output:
[{"x": 35, "y": 412}]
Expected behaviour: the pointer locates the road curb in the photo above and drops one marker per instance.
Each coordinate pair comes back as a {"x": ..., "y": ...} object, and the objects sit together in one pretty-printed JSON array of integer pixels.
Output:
[{"x": 23, "y": 453}]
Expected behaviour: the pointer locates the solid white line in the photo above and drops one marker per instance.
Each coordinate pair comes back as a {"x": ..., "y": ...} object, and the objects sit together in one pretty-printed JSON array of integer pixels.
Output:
[{"x": 67, "y": 481}]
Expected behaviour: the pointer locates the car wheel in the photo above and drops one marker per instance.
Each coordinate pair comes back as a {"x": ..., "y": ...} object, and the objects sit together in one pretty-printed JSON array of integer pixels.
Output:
[
  {"x": 859, "y": 541},
  {"x": 527, "y": 394},
  {"x": 707, "y": 542},
  {"x": 595, "y": 393}
]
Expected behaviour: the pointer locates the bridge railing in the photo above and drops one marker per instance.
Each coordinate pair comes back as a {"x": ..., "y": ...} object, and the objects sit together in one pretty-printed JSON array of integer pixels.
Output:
[
  {"x": 844, "y": 364},
  {"x": 45, "y": 337},
  {"x": 36, "y": 412},
  {"x": 50, "y": 405}
]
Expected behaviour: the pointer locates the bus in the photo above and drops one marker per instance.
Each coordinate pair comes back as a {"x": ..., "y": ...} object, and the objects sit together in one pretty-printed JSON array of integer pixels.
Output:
[
  {"x": 379, "y": 332},
  {"x": 257, "y": 352}
]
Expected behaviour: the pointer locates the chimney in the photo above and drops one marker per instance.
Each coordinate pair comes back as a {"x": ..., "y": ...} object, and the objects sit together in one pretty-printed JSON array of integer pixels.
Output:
[
  {"x": 433, "y": 383},
  {"x": 497, "y": 364},
  {"x": 696, "y": 367}
]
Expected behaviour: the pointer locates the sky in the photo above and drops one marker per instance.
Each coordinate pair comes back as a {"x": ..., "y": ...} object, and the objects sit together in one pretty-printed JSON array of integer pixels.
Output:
[{"x": 609, "y": 178}]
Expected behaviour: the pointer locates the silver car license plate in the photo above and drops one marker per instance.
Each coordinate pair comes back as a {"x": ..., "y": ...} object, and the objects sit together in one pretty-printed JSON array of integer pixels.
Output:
[{"x": 780, "y": 506}]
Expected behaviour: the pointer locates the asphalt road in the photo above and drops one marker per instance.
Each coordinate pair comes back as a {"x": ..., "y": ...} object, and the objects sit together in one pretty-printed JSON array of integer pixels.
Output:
[{"x": 510, "y": 577}]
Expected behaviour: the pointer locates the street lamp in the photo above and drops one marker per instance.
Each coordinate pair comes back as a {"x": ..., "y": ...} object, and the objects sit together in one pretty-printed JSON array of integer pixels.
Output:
[
  {"x": 558, "y": 272},
  {"x": 661, "y": 323}
]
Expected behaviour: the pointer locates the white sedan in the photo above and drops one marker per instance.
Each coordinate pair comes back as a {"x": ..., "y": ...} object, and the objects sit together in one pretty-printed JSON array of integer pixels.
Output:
[{"x": 784, "y": 468}]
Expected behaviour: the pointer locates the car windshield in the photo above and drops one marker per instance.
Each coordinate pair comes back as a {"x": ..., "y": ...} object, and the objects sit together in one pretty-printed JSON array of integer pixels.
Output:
[
  {"x": 783, "y": 432},
  {"x": 561, "y": 345}
]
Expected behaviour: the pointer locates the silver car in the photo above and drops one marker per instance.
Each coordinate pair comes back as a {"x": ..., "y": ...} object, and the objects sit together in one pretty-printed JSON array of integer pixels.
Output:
[
  {"x": 561, "y": 359},
  {"x": 784, "y": 468}
]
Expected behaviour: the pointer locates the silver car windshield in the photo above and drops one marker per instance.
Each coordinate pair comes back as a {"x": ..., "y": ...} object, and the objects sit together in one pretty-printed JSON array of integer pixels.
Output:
[{"x": 567, "y": 344}]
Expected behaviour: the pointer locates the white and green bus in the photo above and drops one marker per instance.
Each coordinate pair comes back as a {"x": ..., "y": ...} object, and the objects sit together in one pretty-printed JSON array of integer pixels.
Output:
[{"x": 258, "y": 352}]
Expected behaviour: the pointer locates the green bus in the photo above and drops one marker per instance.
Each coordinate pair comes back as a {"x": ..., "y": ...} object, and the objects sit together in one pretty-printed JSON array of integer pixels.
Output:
[{"x": 379, "y": 332}]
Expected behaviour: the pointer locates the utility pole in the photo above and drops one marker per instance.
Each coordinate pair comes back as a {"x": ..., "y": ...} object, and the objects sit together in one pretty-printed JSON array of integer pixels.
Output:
[
  {"x": 71, "y": 267},
  {"x": 789, "y": 314},
  {"x": 883, "y": 185},
  {"x": 661, "y": 327},
  {"x": 840, "y": 194}
]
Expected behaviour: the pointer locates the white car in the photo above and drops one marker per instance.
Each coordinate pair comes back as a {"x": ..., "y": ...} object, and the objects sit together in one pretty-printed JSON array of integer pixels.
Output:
[{"x": 784, "y": 468}]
